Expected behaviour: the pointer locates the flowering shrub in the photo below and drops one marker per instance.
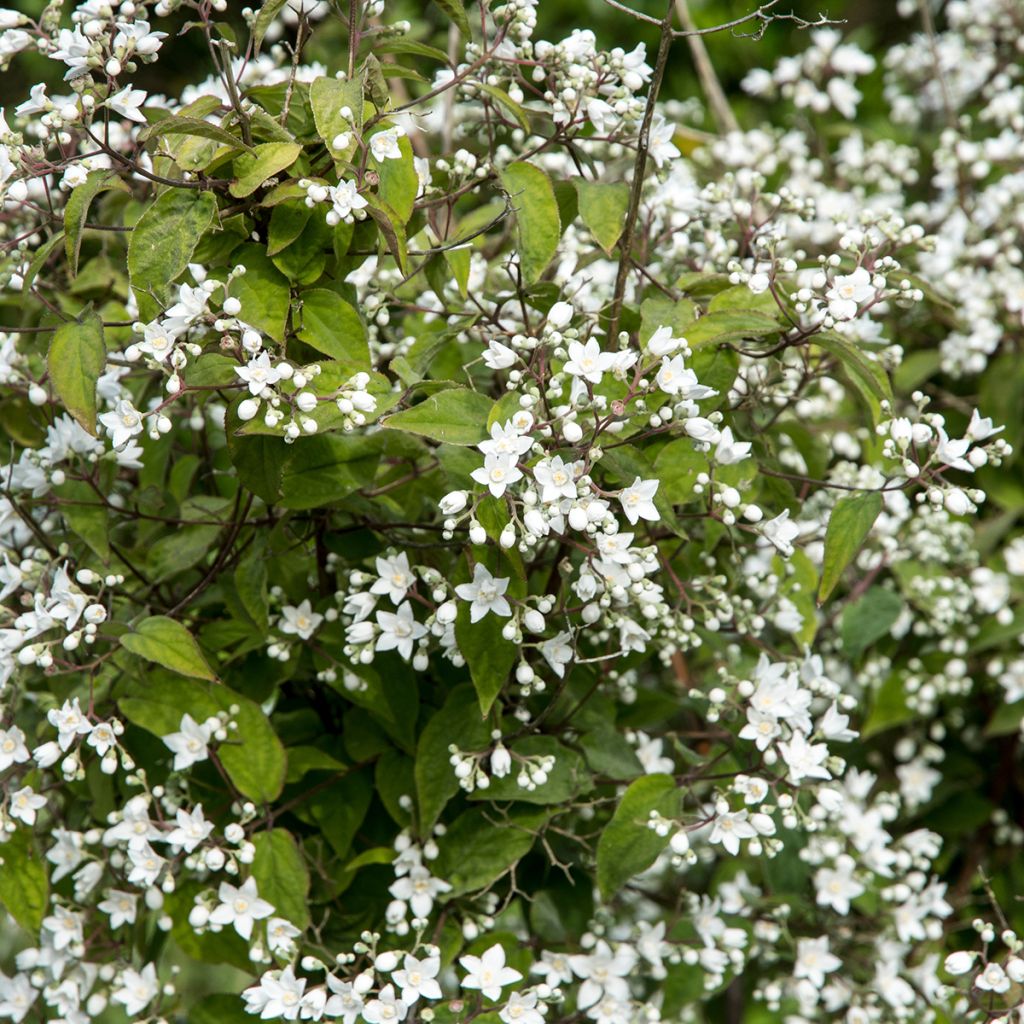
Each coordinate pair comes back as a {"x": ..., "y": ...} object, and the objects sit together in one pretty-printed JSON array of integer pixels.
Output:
[{"x": 479, "y": 547}]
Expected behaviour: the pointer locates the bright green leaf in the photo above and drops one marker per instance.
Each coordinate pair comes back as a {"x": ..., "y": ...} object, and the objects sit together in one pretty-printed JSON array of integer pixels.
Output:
[
  {"x": 848, "y": 527},
  {"x": 168, "y": 643},
  {"x": 76, "y": 359},
  {"x": 533, "y": 198}
]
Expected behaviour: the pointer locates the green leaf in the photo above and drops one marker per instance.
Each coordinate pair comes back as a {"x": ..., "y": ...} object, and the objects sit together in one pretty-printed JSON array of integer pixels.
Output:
[
  {"x": 730, "y": 325},
  {"x": 221, "y": 1007},
  {"x": 168, "y": 643},
  {"x": 75, "y": 360},
  {"x": 288, "y": 220},
  {"x": 603, "y": 207},
  {"x": 869, "y": 619},
  {"x": 194, "y": 126},
  {"x": 488, "y": 654},
  {"x": 848, "y": 526},
  {"x": 866, "y": 375},
  {"x": 677, "y": 466},
  {"x": 392, "y": 230},
  {"x": 251, "y": 587},
  {"x": 85, "y": 516},
  {"x": 76, "y": 212},
  {"x": 24, "y": 880},
  {"x": 281, "y": 875},
  {"x": 264, "y": 19},
  {"x": 326, "y": 468},
  {"x": 252, "y": 756},
  {"x": 340, "y": 808},
  {"x": 627, "y": 846},
  {"x": 259, "y": 462},
  {"x": 1006, "y": 720},
  {"x": 399, "y": 181},
  {"x": 266, "y": 160},
  {"x": 328, "y": 97},
  {"x": 455, "y": 416},
  {"x": 533, "y": 197},
  {"x": 460, "y": 722},
  {"x": 162, "y": 244},
  {"x": 332, "y": 326},
  {"x": 179, "y": 551},
  {"x": 888, "y": 708},
  {"x": 263, "y": 291},
  {"x": 456, "y": 10},
  {"x": 474, "y": 852}
]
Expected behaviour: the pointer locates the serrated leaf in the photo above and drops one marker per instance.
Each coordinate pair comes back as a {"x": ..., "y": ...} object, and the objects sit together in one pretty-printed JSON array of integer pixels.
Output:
[
  {"x": 76, "y": 212},
  {"x": 627, "y": 846},
  {"x": 162, "y": 244},
  {"x": 459, "y": 721},
  {"x": 264, "y": 19},
  {"x": 868, "y": 619},
  {"x": 168, "y": 643},
  {"x": 24, "y": 880},
  {"x": 193, "y": 126},
  {"x": 456, "y": 10},
  {"x": 332, "y": 326},
  {"x": 455, "y": 416},
  {"x": 531, "y": 194},
  {"x": 848, "y": 526},
  {"x": 603, "y": 207},
  {"x": 399, "y": 181},
  {"x": 281, "y": 875},
  {"x": 265, "y": 160},
  {"x": 730, "y": 325},
  {"x": 76, "y": 359}
]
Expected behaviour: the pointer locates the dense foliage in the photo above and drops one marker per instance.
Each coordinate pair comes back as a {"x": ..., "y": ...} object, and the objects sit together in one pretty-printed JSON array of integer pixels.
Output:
[{"x": 477, "y": 544}]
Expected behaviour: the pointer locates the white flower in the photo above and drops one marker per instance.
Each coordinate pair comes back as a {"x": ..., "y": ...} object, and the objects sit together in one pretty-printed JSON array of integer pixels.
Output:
[
  {"x": 345, "y": 200},
  {"x": 727, "y": 451},
  {"x": 558, "y": 652},
  {"x": 557, "y": 479},
  {"x": 384, "y": 145},
  {"x": 64, "y": 925},
  {"x": 190, "y": 744},
  {"x": 12, "y": 747},
  {"x": 497, "y": 472},
  {"x": 814, "y": 961},
  {"x": 281, "y": 936},
  {"x": 587, "y": 361},
  {"x": 24, "y": 803},
  {"x": 69, "y": 722},
  {"x": 506, "y": 439},
  {"x": 240, "y": 906},
  {"x": 16, "y": 997},
  {"x": 192, "y": 829},
  {"x": 662, "y": 342},
  {"x": 279, "y": 995},
  {"x": 730, "y": 828},
  {"x": 521, "y": 1009},
  {"x": 660, "y": 145},
  {"x": 992, "y": 979},
  {"x": 419, "y": 888},
  {"x": 395, "y": 577},
  {"x": 258, "y": 373},
  {"x": 488, "y": 972},
  {"x": 123, "y": 423},
  {"x": 127, "y": 103},
  {"x": 837, "y": 886},
  {"x": 300, "y": 621},
  {"x": 638, "y": 501},
  {"x": 121, "y": 907},
  {"x": 137, "y": 989},
  {"x": 603, "y": 973},
  {"x": 834, "y": 725},
  {"x": 147, "y": 865},
  {"x": 387, "y": 1008},
  {"x": 848, "y": 292},
  {"x": 804, "y": 760},
  {"x": 345, "y": 1002},
  {"x": 418, "y": 978},
  {"x": 487, "y": 594},
  {"x": 399, "y": 630},
  {"x": 951, "y": 453},
  {"x": 781, "y": 532}
]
